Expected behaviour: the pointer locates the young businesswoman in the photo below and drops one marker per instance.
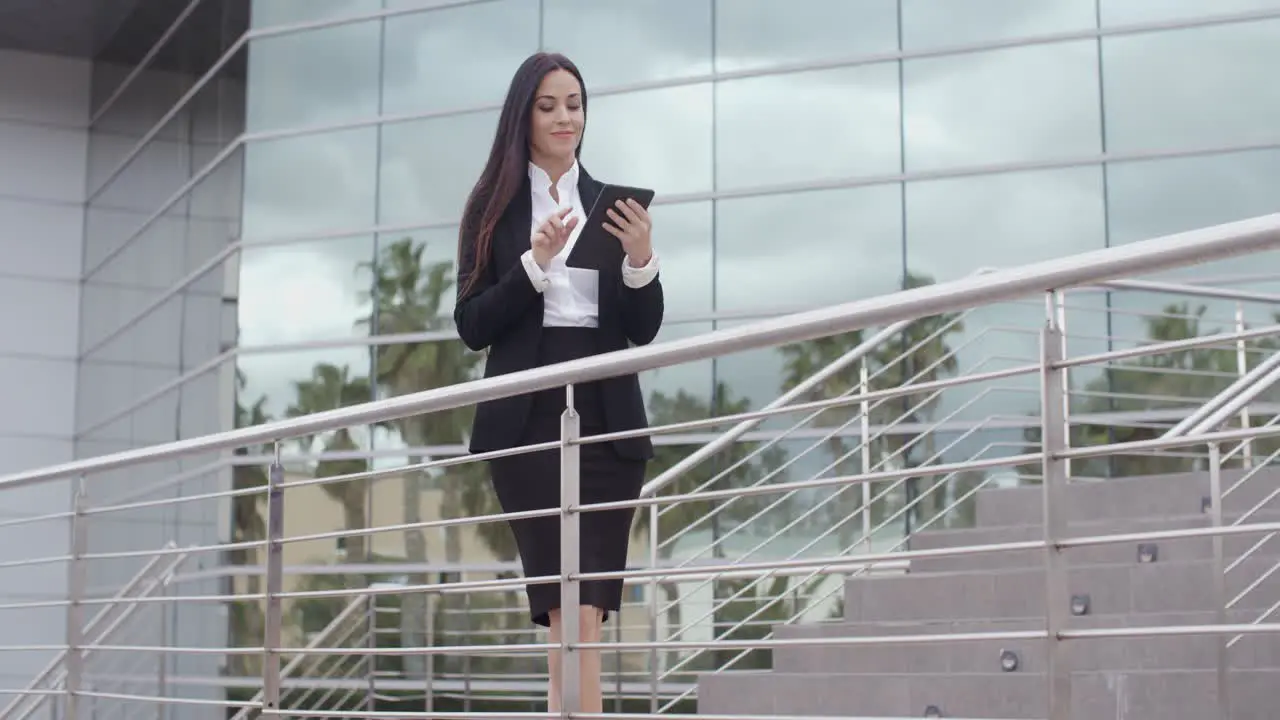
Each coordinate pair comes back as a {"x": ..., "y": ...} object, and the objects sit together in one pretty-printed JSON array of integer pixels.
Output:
[{"x": 531, "y": 294}]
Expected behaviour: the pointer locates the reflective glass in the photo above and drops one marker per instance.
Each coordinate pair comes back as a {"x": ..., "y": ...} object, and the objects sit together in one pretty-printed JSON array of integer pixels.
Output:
[
  {"x": 1002, "y": 106},
  {"x": 808, "y": 126},
  {"x": 958, "y": 226},
  {"x": 329, "y": 377},
  {"x": 682, "y": 235},
  {"x": 1123, "y": 12},
  {"x": 1201, "y": 87},
  {"x": 807, "y": 249},
  {"x": 619, "y": 43},
  {"x": 421, "y": 293},
  {"x": 266, "y": 13},
  {"x": 680, "y": 392},
  {"x": 480, "y": 44},
  {"x": 316, "y": 77},
  {"x": 943, "y": 23},
  {"x": 309, "y": 184},
  {"x": 316, "y": 290},
  {"x": 429, "y": 167},
  {"x": 657, "y": 138},
  {"x": 760, "y": 33}
]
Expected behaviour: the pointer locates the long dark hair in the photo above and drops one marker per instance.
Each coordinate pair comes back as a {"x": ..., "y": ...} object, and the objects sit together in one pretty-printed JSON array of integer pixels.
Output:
[{"x": 508, "y": 162}]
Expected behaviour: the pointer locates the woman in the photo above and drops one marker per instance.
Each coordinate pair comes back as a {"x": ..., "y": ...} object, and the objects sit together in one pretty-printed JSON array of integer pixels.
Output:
[{"x": 532, "y": 295}]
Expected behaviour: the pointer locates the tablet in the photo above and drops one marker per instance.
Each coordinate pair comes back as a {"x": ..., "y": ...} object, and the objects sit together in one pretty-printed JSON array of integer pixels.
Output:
[{"x": 608, "y": 198}]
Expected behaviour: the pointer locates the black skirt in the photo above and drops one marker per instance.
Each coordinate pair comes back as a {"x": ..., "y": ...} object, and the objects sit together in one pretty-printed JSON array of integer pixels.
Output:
[{"x": 531, "y": 481}]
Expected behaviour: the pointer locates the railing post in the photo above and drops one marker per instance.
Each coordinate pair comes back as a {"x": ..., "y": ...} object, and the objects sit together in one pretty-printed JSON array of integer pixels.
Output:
[
  {"x": 274, "y": 586},
  {"x": 864, "y": 412},
  {"x": 75, "y": 595},
  {"x": 570, "y": 566},
  {"x": 1219, "y": 576},
  {"x": 1242, "y": 367},
  {"x": 655, "y": 670},
  {"x": 1060, "y": 311},
  {"x": 1054, "y": 488}
]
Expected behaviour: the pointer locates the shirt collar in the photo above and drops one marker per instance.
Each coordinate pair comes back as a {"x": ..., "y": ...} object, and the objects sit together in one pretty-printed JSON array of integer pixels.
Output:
[{"x": 542, "y": 181}]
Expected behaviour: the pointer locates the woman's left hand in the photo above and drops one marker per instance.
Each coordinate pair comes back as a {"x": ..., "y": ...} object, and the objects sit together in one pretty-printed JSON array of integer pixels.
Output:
[{"x": 631, "y": 225}]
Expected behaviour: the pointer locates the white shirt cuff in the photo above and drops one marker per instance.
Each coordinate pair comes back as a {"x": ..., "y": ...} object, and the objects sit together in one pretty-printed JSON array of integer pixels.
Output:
[
  {"x": 636, "y": 278},
  {"x": 536, "y": 276}
]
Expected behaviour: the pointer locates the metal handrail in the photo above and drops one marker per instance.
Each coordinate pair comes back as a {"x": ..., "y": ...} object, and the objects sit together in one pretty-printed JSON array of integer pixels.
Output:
[
  {"x": 357, "y": 603},
  {"x": 52, "y": 671},
  {"x": 1156, "y": 255}
]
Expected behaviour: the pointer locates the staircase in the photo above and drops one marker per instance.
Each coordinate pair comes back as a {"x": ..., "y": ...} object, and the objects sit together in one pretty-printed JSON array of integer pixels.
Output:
[{"x": 1165, "y": 583}]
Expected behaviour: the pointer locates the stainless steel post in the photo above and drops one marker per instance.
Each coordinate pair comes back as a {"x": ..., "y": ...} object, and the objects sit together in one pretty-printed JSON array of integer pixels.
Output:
[
  {"x": 1219, "y": 577},
  {"x": 1060, "y": 311},
  {"x": 275, "y": 585},
  {"x": 864, "y": 411},
  {"x": 570, "y": 566},
  {"x": 430, "y": 661},
  {"x": 655, "y": 669},
  {"x": 1054, "y": 488},
  {"x": 1242, "y": 367},
  {"x": 79, "y": 541}
]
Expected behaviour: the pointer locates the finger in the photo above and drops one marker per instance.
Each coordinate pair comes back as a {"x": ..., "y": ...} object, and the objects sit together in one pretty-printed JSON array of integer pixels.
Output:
[
  {"x": 569, "y": 226},
  {"x": 641, "y": 214},
  {"x": 626, "y": 210},
  {"x": 614, "y": 232},
  {"x": 618, "y": 220},
  {"x": 563, "y": 212}
]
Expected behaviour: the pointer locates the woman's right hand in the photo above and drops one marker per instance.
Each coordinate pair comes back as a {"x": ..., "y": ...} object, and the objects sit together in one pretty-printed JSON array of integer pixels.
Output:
[{"x": 550, "y": 237}]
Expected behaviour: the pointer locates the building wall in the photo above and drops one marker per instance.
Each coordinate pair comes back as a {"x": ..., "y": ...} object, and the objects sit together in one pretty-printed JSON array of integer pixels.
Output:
[
  {"x": 44, "y": 114},
  {"x": 155, "y": 284}
]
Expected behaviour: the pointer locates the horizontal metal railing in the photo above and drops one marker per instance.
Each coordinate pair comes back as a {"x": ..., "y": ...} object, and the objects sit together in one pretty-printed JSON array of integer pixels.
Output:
[{"x": 1049, "y": 454}]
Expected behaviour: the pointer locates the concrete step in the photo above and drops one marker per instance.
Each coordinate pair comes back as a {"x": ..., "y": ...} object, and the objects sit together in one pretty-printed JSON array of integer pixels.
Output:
[
  {"x": 1179, "y": 550},
  {"x": 1112, "y": 590},
  {"x": 1146, "y": 496},
  {"x": 984, "y": 656},
  {"x": 1169, "y": 695}
]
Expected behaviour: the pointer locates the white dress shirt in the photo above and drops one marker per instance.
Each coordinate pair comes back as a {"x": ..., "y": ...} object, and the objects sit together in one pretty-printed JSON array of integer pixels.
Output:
[{"x": 571, "y": 295}]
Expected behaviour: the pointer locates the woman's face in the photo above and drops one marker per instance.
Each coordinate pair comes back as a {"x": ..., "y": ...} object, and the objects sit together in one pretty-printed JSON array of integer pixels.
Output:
[{"x": 555, "y": 125}]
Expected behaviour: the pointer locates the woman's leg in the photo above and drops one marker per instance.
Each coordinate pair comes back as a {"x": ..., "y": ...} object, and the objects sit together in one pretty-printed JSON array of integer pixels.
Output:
[{"x": 591, "y": 620}]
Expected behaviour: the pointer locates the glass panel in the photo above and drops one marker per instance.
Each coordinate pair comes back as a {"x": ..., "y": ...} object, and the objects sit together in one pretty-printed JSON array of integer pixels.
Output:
[
  {"x": 680, "y": 392},
  {"x": 1123, "y": 12},
  {"x": 957, "y": 226},
  {"x": 1016, "y": 105},
  {"x": 808, "y": 126},
  {"x": 657, "y": 138},
  {"x": 429, "y": 167},
  {"x": 266, "y": 13},
  {"x": 315, "y": 77},
  {"x": 1160, "y": 197},
  {"x": 783, "y": 252},
  {"x": 481, "y": 44},
  {"x": 309, "y": 184},
  {"x": 416, "y": 289},
  {"x": 759, "y": 33},
  {"x": 934, "y": 23},
  {"x": 1203, "y": 87},
  {"x": 300, "y": 292},
  {"x": 682, "y": 234},
  {"x": 617, "y": 43}
]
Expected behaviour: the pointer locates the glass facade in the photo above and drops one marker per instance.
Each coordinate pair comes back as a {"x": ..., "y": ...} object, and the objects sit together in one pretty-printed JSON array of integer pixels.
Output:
[{"x": 804, "y": 153}]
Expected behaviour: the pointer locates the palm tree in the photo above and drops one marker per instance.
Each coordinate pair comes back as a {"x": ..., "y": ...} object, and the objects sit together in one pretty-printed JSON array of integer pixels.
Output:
[
  {"x": 329, "y": 388},
  {"x": 894, "y": 363},
  {"x": 1167, "y": 380},
  {"x": 407, "y": 297},
  {"x": 682, "y": 407},
  {"x": 248, "y": 524}
]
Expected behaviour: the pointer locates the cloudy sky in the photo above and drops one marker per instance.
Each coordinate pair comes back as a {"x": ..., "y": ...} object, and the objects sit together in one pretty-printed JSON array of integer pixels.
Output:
[{"x": 1198, "y": 88}]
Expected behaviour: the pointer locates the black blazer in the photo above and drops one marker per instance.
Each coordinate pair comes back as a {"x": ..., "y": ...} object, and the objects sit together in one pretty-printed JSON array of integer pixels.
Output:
[{"x": 503, "y": 313}]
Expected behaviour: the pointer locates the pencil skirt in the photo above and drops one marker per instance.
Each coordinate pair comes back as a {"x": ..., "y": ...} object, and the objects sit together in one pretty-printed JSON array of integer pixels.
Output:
[{"x": 532, "y": 482}]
